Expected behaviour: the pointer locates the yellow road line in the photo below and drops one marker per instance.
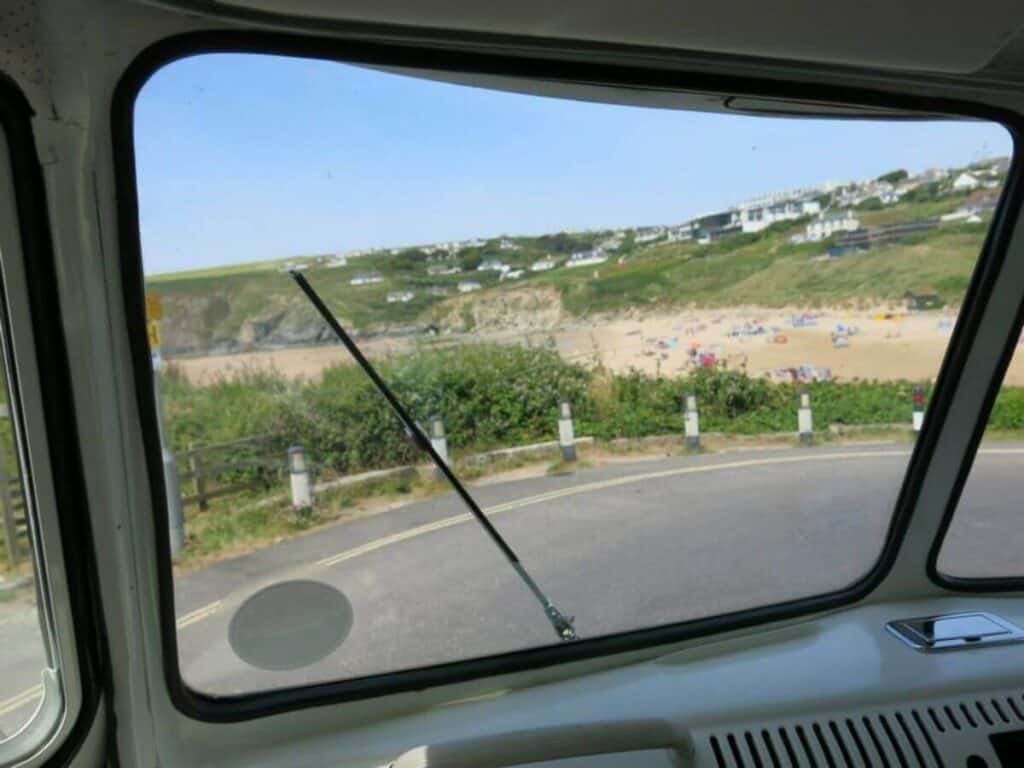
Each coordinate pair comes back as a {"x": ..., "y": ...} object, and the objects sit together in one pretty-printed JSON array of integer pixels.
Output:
[
  {"x": 198, "y": 614},
  {"x": 31, "y": 694},
  {"x": 27, "y": 696},
  {"x": 508, "y": 506},
  {"x": 372, "y": 546},
  {"x": 447, "y": 522}
]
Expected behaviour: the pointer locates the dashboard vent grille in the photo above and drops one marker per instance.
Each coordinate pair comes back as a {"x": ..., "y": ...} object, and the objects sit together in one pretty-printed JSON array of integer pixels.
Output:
[
  {"x": 980, "y": 713},
  {"x": 894, "y": 740},
  {"x": 905, "y": 738}
]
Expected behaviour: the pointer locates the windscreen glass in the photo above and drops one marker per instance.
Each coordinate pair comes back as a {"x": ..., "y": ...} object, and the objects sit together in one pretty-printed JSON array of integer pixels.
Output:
[
  {"x": 676, "y": 361},
  {"x": 985, "y": 539}
]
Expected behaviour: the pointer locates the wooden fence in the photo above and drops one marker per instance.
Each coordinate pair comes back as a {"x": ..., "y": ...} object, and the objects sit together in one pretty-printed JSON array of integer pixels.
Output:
[
  {"x": 211, "y": 471},
  {"x": 13, "y": 522},
  {"x": 205, "y": 472},
  {"x": 15, "y": 525}
]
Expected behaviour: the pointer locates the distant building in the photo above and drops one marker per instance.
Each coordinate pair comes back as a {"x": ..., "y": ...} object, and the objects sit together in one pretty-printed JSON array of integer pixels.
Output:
[
  {"x": 923, "y": 298},
  {"x": 443, "y": 269},
  {"x": 828, "y": 224},
  {"x": 337, "y": 261},
  {"x": 849, "y": 197},
  {"x": 907, "y": 186},
  {"x": 644, "y": 236},
  {"x": 981, "y": 200},
  {"x": 886, "y": 192},
  {"x": 679, "y": 234},
  {"x": 714, "y": 226},
  {"x": 587, "y": 258},
  {"x": 999, "y": 165},
  {"x": 468, "y": 286},
  {"x": 492, "y": 265},
  {"x": 865, "y": 239},
  {"x": 965, "y": 182},
  {"x": 437, "y": 290},
  {"x": 508, "y": 245},
  {"x": 400, "y": 297},
  {"x": 543, "y": 265},
  {"x": 932, "y": 175},
  {"x": 366, "y": 279},
  {"x": 978, "y": 202},
  {"x": 293, "y": 266},
  {"x": 759, "y": 214},
  {"x": 512, "y": 274}
]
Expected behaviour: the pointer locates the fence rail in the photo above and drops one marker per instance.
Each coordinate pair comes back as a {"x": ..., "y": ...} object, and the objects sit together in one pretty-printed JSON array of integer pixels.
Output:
[
  {"x": 208, "y": 468},
  {"x": 15, "y": 523}
]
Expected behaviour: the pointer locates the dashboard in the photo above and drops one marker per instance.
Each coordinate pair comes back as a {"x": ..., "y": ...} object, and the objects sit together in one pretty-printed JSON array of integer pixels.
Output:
[{"x": 839, "y": 690}]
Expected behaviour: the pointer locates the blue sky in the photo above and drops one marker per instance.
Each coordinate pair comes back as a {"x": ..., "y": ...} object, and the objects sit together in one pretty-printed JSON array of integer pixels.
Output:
[{"x": 247, "y": 158}]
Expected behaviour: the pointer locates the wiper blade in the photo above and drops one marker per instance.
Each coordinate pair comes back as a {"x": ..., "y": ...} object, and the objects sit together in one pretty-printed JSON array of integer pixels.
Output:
[{"x": 562, "y": 624}]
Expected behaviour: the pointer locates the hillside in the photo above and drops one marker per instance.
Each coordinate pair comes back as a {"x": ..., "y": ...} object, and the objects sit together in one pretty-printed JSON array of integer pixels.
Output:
[{"x": 252, "y": 306}]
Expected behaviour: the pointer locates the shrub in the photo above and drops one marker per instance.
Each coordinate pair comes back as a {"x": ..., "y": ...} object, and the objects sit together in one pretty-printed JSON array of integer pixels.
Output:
[{"x": 492, "y": 395}]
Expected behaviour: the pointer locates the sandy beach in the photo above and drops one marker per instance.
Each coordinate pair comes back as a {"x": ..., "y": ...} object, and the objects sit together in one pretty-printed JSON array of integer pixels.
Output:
[{"x": 883, "y": 343}]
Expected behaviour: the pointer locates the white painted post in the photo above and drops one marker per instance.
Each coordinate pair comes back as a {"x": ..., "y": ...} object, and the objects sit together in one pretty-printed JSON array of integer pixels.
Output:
[
  {"x": 172, "y": 485},
  {"x": 438, "y": 440},
  {"x": 918, "y": 415},
  {"x": 566, "y": 439},
  {"x": 692, "y": 423},
  {"x": 804, "y": 423},
  {"x": 302, "y": 488}
]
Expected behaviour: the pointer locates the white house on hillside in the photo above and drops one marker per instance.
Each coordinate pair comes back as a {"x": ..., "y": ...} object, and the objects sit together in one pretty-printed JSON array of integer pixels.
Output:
[
  {"x": 468, "y": 286},
  {"x": 443, "y": 269},
  {"x": 587, "y": 258},
  {"x": 400, "y": 297},
  {"x": 611, "y": 243},
  {"x": 965, "y": 182},
  {"x": 932, "y": 174},
  {"x": 648, "y": 235},
  {"x": 512, "y": 274},
  {"x": 492, "y": 265},
  {"x": 680, "y": 234},
  {"x": 827, "y": 224},
  {"x": 543, "y": 265},
  {"x": 369, "y": 279},
  {"x": 758, "y": 214}
]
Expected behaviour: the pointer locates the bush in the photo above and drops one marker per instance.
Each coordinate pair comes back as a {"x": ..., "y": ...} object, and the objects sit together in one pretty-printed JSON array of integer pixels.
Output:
[
  {"x": 894, "y": 177},
  {"x": 488, "y": 395},
  {"x": 492, "y": 395}
]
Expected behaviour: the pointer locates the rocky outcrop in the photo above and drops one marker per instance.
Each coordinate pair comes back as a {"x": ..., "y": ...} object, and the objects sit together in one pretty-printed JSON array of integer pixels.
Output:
[
  {"x": 190, "y": 322},
  {"x": 199, "y": 325},
  {"x": 217, "y": 323},
  {"x": 522, "y": 309}
]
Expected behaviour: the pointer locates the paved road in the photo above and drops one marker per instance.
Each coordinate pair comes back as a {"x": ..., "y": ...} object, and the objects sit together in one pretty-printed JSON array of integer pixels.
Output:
[{"x": 619, "y": 547}]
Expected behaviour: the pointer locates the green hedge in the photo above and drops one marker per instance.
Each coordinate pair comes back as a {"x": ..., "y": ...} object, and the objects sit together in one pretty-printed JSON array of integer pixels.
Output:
[{"x": 492, "y": 395}]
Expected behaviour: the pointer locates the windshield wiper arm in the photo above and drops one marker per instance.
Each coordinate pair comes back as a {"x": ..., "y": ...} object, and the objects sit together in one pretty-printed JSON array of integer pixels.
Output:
[{"x": 561, "y": 623}]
